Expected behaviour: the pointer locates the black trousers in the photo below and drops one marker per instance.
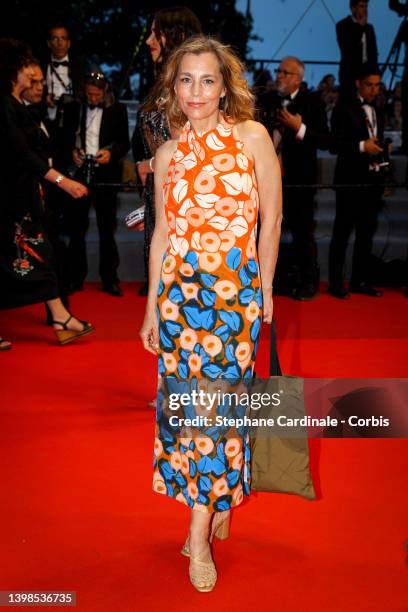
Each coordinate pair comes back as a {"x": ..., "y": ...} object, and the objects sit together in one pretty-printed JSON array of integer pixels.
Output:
[
  {"x": 298, "y": 214},
  {"x": 358, "y": 209},
  {"x": 274, "y": 365},
  {"x": 104, "y": 201}
]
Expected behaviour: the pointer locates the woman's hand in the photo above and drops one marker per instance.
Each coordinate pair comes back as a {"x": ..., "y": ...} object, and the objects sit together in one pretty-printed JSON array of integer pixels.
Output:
[
  {"x": 149, "y": 333},
  {"x": 73, "y": 188},
  {"x": 139, "y": 227},
  {"x": 267, "y": 309},
  {"x": 143, "y": 169}
]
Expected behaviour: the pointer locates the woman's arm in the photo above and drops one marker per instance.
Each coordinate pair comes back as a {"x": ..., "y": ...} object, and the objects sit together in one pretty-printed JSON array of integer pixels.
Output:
[
  {"x": 149, "y": 331},
  {"x": 17, "y": 141},
  {"x": 73, "y": 188},
  {"x": 267, "y": 169}
]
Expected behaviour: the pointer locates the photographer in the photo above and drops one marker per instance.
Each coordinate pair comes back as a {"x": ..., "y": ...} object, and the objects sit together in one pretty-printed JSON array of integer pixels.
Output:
[
  {"x": 62, "y": 76},
  {"x": 99, "y": 137},
  {"x": 402, "y": 38},
  {"x": 297, "y": 123},
  {"x": 358, "y": 45},
  {"x": 357, "y": 130}
]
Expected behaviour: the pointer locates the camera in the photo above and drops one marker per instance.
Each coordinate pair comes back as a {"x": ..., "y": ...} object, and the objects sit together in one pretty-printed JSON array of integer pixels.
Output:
[
  {"x": 85, "y": 173},
  {"x": 270, "y": 116},
  {"x": 88, "y": 168}
]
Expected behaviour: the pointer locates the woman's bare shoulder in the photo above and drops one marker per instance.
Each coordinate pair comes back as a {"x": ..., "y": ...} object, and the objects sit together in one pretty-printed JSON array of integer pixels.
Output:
[{"x": 252, "y": 130}]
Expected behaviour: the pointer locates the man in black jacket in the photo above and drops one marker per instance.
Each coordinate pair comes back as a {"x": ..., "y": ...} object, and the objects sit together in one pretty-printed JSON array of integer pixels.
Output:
[
  {"x": 358, "y": 45},
  {"x": 297, "y": 123},
  {"x": 357, "y": 130},
  {"x": 100, "y": 139},
  {"x": 62, "y": 73}
]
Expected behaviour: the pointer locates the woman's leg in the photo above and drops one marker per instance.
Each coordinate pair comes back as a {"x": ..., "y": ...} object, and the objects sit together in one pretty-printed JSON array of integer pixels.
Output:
[
  {"x": 199, "y": 535},
  {"x": 60, "y": 313},
  {"x": 202, "y": 572}
]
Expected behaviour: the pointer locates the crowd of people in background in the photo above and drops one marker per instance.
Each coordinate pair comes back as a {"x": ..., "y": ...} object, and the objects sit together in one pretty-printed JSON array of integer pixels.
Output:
[
  {"x": 328, "y": 90},
  {"x": 82, "y": 130}
]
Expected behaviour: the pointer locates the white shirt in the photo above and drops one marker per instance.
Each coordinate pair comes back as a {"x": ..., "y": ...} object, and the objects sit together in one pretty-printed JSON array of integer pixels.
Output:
[
  {"x": 364, "y": 55},
  {"x": 54, "y": 85},
  {"x": 93, "y": 127},
  {"x": 372, "y": 122}
]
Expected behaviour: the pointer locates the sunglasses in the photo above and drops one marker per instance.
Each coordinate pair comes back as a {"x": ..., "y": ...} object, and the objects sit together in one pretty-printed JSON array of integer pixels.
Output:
[{"x": 97, "y": 76}]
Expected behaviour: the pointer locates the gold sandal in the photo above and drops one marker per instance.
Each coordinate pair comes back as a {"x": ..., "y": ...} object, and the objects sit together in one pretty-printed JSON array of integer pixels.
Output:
[
  {"x": 219, "y": 529},
  {"x": 66, "y": 335},
  {"x": 203, "y": 575}
]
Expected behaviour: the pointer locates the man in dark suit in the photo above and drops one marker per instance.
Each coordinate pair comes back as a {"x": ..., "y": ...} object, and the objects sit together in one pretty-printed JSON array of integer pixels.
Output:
[
  {"x": 357, "y": 130},
  {"x": 62, "y": 80},
  {"x": 297, "y": 123},
  {"x": 62, "y": 72},
  {"x": 99, "y": 130},
  {"x": 358, "y": 45}
]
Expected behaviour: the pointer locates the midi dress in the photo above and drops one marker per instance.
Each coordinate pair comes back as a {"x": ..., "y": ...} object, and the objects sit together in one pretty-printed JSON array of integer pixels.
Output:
[{"x": 209, "y": 310}]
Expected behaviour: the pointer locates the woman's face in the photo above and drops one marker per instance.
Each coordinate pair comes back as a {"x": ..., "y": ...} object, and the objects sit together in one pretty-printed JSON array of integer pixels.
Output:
[
  {"x": 199, "y": 85},
  {"x": 155, "y": 45},
  {"x": 23, "y": 80}
]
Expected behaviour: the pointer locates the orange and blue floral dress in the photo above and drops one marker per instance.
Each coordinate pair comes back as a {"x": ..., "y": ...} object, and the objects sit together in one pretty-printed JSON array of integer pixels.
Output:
[{"x": 209, "y": 314}]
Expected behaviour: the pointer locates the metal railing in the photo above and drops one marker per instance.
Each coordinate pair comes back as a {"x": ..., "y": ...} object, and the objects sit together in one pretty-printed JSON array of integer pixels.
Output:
[{"x": 262, "y": 62}]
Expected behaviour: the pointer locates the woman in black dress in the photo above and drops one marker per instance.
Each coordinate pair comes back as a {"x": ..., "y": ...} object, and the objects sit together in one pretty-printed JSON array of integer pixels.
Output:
[
  {"x": 27, "y": 271},
  {"x": 169, "y": 28}
]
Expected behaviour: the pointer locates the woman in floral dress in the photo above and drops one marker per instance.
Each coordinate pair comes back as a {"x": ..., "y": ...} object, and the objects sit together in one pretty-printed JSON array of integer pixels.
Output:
[{"x": 209, "y": 289}]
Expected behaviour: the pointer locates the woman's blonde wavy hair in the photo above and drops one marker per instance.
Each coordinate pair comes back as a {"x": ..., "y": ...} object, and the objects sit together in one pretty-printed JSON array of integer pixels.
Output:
[{"x": 238, "y": 104}]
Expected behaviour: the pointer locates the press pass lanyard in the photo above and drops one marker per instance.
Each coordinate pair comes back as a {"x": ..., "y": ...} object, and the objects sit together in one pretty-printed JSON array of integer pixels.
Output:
[
  {"x": 372, "y": 132},
  {"x": 371, "y": 124},
  {"x": 61, "y": 82}
]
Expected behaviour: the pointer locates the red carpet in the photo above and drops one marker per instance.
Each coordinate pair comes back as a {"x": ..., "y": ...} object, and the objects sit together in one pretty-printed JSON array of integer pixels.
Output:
[{"x": 77, "y": 510}]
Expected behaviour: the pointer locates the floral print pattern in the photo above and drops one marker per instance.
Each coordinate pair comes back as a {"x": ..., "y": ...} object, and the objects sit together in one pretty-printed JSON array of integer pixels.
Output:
[
  {"x": 22, "y": 265},
  {"x": 209, "y": 313}
]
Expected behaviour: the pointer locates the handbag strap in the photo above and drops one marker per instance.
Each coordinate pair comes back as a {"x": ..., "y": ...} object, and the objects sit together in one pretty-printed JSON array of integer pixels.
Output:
[{"x": 274, "y": 365}]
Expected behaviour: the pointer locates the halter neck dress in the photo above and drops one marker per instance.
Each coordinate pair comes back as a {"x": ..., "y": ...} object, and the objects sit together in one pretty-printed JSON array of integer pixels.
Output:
[{"x": 209, "y": 311}]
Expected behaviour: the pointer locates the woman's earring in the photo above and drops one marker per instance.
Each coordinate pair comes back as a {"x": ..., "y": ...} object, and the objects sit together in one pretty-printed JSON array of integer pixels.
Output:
[{"x": 222, "y": 102}]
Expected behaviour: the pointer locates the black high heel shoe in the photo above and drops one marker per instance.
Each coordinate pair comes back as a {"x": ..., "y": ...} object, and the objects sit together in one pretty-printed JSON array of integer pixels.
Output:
[{"x": 66, "y": 335}]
